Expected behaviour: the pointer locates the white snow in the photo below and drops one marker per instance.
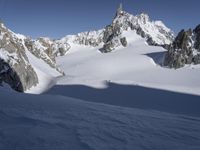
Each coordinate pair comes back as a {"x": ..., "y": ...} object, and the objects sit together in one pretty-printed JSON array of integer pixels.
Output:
[
  {"x": 19, "y": 36},
  {"x": 6, "y": 56},
  {"x": 3, "y": 55},
  {"x": 138, "y": 64},
  {"x": 1, "y": 36},
  {"x": 161, "y": 24}
]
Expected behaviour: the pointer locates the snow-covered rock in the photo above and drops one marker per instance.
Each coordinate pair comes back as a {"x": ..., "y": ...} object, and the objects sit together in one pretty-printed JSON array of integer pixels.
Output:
[
  {"x": 45, "y": 49},
  {"x": 155, "y": 32},
  {"x": 91, "y": 38},
  {"x": 109, "y": 38}
]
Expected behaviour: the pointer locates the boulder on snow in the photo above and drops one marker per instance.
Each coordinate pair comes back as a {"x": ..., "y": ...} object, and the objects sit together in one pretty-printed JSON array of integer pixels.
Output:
[
  {"x": 108, "y": 47},
  {"x": 124, "y": 41}
]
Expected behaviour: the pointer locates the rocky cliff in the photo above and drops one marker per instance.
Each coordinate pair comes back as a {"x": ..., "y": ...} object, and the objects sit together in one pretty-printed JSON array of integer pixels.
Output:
[
  {"x": 15, "y": 67},
  {"x": 185, "y": 49},
  {"x": 14, "y": 64}
]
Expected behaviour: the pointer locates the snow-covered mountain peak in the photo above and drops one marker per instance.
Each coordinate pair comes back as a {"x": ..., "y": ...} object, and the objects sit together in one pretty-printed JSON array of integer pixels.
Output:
[
  {"x": 155, "y": 32},
  {"x": 107, "y": 39},
  {"x": 110, "y": 37}
]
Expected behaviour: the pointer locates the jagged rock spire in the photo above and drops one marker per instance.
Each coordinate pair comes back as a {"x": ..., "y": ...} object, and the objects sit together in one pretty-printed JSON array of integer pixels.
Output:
[
  {"x": 120, "y": 9},
  {"x": 1, "y": 21}
]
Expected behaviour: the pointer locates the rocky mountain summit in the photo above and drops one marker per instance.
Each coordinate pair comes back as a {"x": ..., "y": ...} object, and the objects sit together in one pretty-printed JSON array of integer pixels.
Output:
[
  {"x": 185, "y": 49},
  {"x": 154, "y": 32},
  {"x": 111, "y": 37}
]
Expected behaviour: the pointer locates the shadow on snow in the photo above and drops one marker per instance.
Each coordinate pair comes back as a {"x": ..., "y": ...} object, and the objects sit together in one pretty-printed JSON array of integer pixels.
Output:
[
  {"x": 158, "y": 57},
  {"x": 133, "y": 96}
]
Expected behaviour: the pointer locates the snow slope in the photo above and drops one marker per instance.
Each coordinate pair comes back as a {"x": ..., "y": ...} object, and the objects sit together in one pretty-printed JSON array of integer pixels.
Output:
[
  {"x": 45, "y": 73},
  {"x": 138, "y": 64},
  {"x": 54, "y": 122}
]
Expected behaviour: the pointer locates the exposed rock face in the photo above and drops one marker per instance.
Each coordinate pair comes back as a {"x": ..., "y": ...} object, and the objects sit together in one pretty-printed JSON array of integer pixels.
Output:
[
  {"x": 91, "y": 38},
  {"x": 197, "y": 38},
  {"x": 9, "y": 76},
  {"x": 185, "y": 49},
  {"x": 112, "y": 38},
  {"x": 124, "y": 41},
  {"x": 14, "y": 65},
  {"x": 13, "y": 53},
  {"x": 60, "y": 48}
]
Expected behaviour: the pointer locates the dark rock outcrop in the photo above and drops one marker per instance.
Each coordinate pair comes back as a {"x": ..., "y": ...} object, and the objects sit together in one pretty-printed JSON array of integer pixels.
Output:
[
  {"x": 10, "y": 77},
  {"x": 184, "y": 49},
  {"x": 112, "y": 38},
  {"x": 197, "y": 38},
  {"x": 124, "y": 41}
]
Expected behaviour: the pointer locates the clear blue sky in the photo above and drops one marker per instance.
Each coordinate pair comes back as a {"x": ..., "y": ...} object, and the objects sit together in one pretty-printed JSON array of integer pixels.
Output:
[{"x": 57, "y": 18}]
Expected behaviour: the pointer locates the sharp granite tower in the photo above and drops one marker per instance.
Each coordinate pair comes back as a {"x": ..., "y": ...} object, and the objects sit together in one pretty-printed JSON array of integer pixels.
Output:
[{"x": 120, "y": 9}]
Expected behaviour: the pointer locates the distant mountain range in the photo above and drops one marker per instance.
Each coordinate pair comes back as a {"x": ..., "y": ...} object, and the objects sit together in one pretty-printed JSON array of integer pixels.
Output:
[{"x": 16, "y": 50}]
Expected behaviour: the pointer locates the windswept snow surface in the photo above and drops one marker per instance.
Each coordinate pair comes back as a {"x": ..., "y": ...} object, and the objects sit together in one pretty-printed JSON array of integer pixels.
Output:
[
  {"x": 138, "y": 64},
  {"x": 42, "y": 122}
]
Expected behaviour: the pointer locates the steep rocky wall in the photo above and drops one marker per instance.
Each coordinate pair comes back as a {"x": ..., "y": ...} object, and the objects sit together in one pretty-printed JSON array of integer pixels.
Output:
[
  {"x": 19, "y": 73},
  {"x": 9, "y": 76},
  {"x": 185, "y": 49}
]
